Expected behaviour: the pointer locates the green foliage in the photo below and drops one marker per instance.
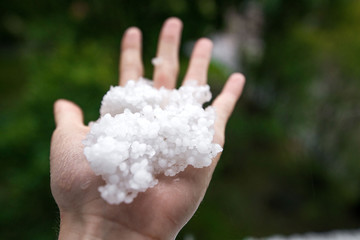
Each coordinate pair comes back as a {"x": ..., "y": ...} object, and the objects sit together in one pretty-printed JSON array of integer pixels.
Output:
[{"x": 291, "y": 156}]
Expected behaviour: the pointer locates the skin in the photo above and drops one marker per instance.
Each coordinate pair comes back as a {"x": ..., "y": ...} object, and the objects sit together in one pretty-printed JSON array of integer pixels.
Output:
[{"x": 161, "y": 211}]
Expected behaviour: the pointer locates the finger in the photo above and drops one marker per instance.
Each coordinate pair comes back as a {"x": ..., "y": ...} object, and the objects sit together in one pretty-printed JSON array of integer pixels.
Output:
[
  {"x": 166, "y": 70},
  {"x": 67, "y": 114},
  {"x": 199, "y": 61},
  {"x": 224, "y": 104},
  {"x": 131, "y": 66}
]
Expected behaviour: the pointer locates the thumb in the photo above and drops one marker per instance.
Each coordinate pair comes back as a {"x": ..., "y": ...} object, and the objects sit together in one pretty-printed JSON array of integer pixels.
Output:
[{"x": 67, "y": 114}]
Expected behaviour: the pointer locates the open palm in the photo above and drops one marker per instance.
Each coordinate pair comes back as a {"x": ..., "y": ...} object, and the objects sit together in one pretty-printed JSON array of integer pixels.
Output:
[{"x": 161, "y": 211}]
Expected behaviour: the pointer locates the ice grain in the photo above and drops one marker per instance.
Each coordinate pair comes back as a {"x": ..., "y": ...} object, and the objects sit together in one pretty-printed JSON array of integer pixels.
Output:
[{"x": 144, "y": 131}]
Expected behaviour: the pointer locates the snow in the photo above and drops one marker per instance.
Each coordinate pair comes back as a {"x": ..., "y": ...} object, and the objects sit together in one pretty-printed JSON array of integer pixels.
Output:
[{"x": 144, "y": 132}]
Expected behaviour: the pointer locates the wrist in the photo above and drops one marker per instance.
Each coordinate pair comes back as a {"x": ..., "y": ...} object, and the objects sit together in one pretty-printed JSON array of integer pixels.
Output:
[{"x": 75, "y": 226}]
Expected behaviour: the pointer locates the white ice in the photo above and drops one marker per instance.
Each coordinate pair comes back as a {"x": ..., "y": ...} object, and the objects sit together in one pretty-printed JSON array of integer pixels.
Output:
[{"x": 144, "y": 131}]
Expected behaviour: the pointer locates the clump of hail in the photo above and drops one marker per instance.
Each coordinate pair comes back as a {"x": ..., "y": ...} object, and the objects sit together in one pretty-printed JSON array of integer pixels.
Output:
[{"x": 144, "y": 131}]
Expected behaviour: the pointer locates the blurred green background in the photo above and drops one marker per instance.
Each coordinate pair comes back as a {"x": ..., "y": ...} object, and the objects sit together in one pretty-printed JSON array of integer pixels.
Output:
[{"x": 291, "y": 161}]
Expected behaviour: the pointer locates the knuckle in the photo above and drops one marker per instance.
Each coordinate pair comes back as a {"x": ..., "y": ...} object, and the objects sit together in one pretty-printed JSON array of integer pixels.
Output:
[{"x": 171, "y": 67}]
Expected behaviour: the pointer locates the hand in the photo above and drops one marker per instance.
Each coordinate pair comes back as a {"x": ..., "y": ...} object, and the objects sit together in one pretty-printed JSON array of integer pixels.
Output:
[{"x": 161, "y": 211}]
